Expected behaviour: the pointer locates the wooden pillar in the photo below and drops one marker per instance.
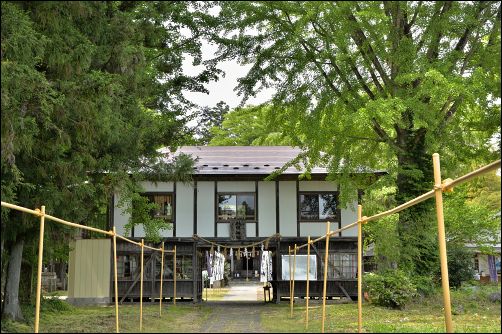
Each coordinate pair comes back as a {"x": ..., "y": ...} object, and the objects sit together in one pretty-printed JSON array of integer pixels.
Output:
[
  {"x": 442, "y": 243},
  {"x": 308, "y": 285},
  {"x": 141, "y": 289},
  {"x": 325, "y": 278},
  {"x": 359, "y": 269},
  {"x": 39, "y": 273},
  {"x": 115, "y": 280},
  {"x": 290, "y": 284},
  {"x": 161, "y": 277}
]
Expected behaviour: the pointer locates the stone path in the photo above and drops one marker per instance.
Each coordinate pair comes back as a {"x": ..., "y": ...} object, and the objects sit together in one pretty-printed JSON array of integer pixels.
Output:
[{"x": 239, "y": 311}]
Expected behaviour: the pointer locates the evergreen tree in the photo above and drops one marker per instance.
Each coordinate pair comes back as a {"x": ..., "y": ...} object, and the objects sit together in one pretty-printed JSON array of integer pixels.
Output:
[{"x": 89, "y": 91}]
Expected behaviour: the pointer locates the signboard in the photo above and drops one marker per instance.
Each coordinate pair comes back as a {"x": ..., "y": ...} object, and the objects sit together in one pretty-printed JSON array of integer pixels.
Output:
[{"x": 301, "y": 267}]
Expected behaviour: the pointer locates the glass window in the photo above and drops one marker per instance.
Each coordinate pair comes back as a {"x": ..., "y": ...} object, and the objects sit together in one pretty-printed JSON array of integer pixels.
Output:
[
  {"x": 318, "y": 207},
  {"x": 165, "y": 203},
  {"x": 341, "y": 265},
  {"x": 126, "y": 265},
  {"x": 236, "y": 207}
]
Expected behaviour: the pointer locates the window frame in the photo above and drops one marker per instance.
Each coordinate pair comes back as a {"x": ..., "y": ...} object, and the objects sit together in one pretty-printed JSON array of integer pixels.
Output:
[
  {"x": 164, "y": 193},
  {"x": 236, "y": 193},
  {"x": 337, "y": 213}
]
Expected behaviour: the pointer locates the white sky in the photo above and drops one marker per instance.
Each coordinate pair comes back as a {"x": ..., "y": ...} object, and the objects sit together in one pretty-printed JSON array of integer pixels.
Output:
[{"x": 223, "y": 89}]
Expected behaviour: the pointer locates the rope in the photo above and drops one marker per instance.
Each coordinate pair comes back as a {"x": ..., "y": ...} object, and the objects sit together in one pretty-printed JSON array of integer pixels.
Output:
[{"x": 274, "y": 236}]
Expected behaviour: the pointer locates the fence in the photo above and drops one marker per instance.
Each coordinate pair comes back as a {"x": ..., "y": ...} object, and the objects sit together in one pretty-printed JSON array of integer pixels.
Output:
[
  {"x": 439, "y": 187},
  {"x": 41, "y": 213}
]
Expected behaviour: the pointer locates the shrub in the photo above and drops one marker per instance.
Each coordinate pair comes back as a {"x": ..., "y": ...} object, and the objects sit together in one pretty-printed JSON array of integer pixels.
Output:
[
  {"x": 460, "y": 265},
  {"x": 425, "y": 285},
  {"x": 392, "y": 288}
]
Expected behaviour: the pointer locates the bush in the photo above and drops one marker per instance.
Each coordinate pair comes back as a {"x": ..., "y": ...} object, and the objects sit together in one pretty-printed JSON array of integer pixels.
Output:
[
  {"x": 460, "y": 265},
  {"x": 392, "y": 288},
  {"x": 425, "y": 285}
]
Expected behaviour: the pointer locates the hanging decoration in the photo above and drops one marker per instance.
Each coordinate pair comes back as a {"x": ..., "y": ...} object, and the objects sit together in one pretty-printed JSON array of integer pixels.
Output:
[
  {"x": 266, "y": 267},
  {"x": 253, "y": 252}
]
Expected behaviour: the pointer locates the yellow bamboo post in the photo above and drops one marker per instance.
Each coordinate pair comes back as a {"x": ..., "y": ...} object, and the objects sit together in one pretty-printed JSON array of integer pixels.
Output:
[
  {"x": 174, "y": 277},
  {"x": 290, "y": 283},
  {"x": 39, "y": 274},
  {"x": 141, "y": 290},
  {"x": 308, "y": 281},
  {"x": 442, "y": 243},
  {"x": 293, "y": 282},
  {"x": 325, "y": 278},
  {"x": 161, "y": 277},
  {"x": 359, "y": 269},
  {"x": 115, "y": 283}
]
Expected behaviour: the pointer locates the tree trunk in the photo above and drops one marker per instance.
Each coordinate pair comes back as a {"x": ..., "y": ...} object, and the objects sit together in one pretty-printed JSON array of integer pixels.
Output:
[
  {"x": 11, "y": 305},
  {"x": 415, "y": 229}
]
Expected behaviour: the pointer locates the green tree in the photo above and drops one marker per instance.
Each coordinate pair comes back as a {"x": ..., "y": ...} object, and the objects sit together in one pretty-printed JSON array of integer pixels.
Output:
[
  {"x": 89, "y": 91},
  {"x": 252, "y": 125},
  {"x": 379, "y": 84}
]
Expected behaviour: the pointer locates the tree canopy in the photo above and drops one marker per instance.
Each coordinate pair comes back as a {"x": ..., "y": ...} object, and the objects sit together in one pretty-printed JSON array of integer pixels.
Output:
[
  {"x": 89, "y": 91},
  {"x": 380, "y": 84}
]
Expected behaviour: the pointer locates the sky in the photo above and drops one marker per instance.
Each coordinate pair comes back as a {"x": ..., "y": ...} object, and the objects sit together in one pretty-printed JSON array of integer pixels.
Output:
[{"x": 223, "y": 89}]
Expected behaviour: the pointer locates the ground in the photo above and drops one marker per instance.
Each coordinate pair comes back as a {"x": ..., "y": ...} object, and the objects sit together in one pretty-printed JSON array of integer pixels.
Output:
[{"x": 473, "y": 312}]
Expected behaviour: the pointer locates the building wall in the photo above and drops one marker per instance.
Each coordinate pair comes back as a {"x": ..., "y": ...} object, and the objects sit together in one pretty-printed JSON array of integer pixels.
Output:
[
  {"x": 184, "y": 209},
  {"x": 287, "y": 208},
  {"x": 349, "y": 216},
  {"x": 206, "y": 208},
  {"x": 89, "y": 271},
  {"x": 266, "y": 208}
]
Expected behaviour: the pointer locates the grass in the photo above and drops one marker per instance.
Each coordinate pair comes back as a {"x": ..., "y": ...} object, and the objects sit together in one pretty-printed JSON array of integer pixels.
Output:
[{"x": 472, "y": 312}]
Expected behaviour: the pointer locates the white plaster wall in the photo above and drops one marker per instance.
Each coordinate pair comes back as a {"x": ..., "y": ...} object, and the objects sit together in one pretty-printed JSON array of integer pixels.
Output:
[
  {"x": 287, "y": 208},
  {"x": 266, "y": 208},
  {"x": 250, "y": 230},
  {"x": 349, "y": 215},
  {"x": 157, "y": 187},
  {"x": 236, "y": 186},
  {"x": 223, "y": 230},
  {"x": 317, "y": 186},
  {"x": 119, "y": 218},
  {"x": 205, "y": 208},
  {"x": 315, "y": 229},
  {"x": 184, "y": 209}
]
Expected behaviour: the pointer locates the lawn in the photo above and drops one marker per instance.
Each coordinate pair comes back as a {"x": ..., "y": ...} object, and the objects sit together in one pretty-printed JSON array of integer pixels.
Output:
[{"x": 472, "y": 312}]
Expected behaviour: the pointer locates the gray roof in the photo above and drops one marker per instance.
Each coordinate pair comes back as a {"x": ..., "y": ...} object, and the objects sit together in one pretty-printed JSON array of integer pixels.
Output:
[{"x": 250, "y": 160}]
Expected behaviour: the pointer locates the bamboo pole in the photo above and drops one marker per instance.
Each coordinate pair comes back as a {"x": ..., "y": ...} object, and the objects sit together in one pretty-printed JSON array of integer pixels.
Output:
[
  {"x": 141, "y": 290},
  {"x": 442, "y": 243},
  {"x": 116, "y": 280},
  {"x": 129, "y": 241},
  {"x": 39, "y": 273},
  {"x": 308, "y": 281},
  {"x": 359, "y": 269},
  {"x": 293, "y": 282},
  {"x": 174, "y": 277},
  {"x": 290, "y": 283},
  {"x": 161, "y": 278},
  {"x": 325, "y": 278}
]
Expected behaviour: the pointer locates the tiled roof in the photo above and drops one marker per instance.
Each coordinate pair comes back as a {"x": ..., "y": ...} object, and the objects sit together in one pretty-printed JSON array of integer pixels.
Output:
[{"x": 213, "y": 160}]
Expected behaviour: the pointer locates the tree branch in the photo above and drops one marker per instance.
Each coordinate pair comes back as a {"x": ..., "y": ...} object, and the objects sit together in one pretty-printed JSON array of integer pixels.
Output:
[{"x": 366, "y": 49}]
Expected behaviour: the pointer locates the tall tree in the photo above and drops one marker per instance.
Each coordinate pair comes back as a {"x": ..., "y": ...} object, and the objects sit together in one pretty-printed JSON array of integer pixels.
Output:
[
  {"x": 381, "y": 84},
  {"x": 252, "y": 125},
  {"x": 88, "y": 87},
  {"x": 210, "y": 117}
]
